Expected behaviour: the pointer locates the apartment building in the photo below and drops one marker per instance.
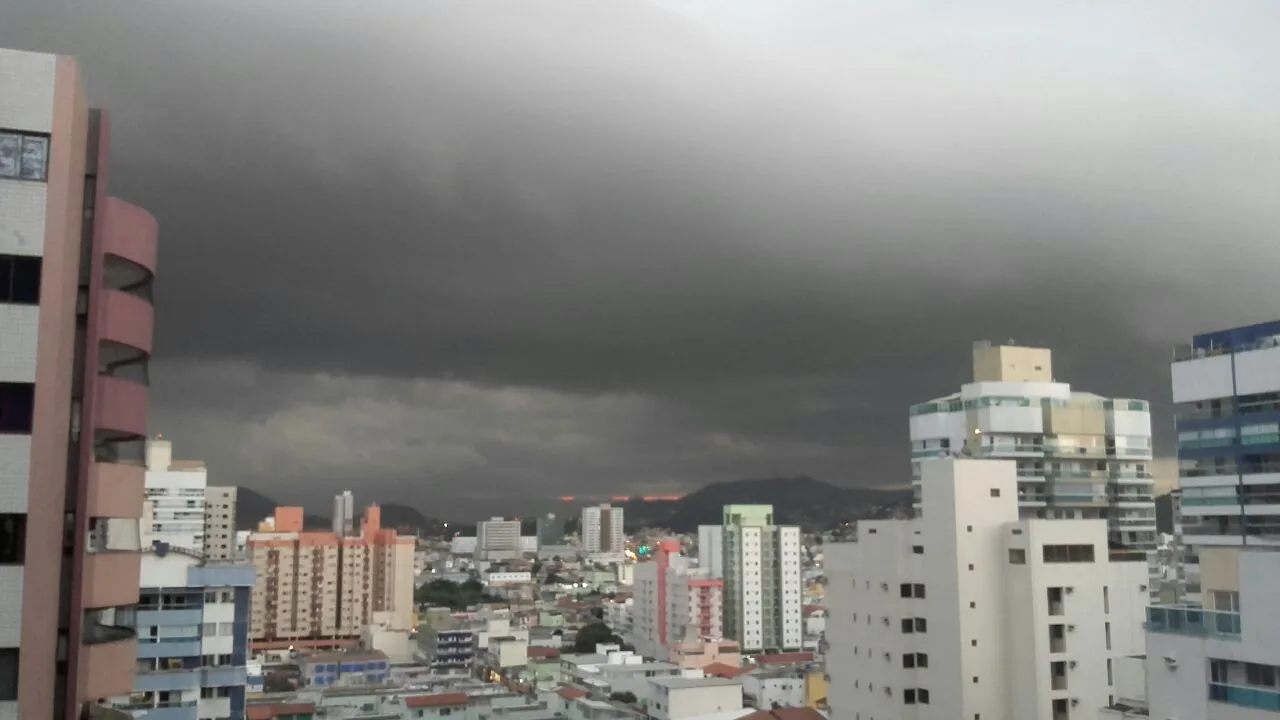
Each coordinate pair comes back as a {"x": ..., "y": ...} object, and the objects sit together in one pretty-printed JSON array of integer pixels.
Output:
[
  {"x": 220, "y": 523},
  {"x": 193, "y": 637},
  {"x": 602, "y": 531},
  {"x": 76, "y": 322},
  {"x": 498, "y": 539},
  {"x": 1226, "y": 391},
  {"x": 763, "y": 593},
  {"x": 672, "y": 603},
  {"x": 1078, "y": 455},
  {"x": 176, "y": 499},
  {"x": 344, "y": 513},
  {"x": 975, "y": 611},
  {"x": 316, "y": 589}
]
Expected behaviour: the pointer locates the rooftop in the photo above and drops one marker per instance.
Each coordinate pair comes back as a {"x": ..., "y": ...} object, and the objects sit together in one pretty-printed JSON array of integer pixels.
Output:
[
  {"x": 337, "y": 657},
  {"x": 676, "y": 683},
  {"x": 452, "y": 699}
]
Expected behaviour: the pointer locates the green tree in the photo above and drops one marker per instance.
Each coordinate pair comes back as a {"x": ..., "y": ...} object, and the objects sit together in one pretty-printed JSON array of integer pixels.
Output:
[
  {"x": 594, "y": 634},
  {"x": 624, "y": 697}
]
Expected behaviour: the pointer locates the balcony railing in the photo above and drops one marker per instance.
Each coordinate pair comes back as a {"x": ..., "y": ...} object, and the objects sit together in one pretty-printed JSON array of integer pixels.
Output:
[
  {"x": 1192, "y": 620},
  {"x": 1245, "y": 696}
]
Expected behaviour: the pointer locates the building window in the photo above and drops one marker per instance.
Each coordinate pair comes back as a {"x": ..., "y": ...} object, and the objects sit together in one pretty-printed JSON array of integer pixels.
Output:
[
  {"x": 922, "y": 696},
  {"x": 17, "y": 408},
  {"x": 20, "y": 279},
  {"x": 24, "y": 156},
  {"x": 8, "y": 674},
  {"x": 995, "y": 492},
  {"x": 13, "y": 539},
  {"x": 917, "y": 549},
  {"x": 909, "y": 696},
  {"x": 1017, "y": 556},
  {"x": 915, "y": 660},
  {"x": 1068, "y": 553},
  {"x": 917, "y": 591}
]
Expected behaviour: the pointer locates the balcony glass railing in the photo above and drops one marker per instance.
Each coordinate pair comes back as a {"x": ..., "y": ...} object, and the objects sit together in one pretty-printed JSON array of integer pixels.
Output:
[
  {"x": 1245, "y": 696},
  {"x": 1192, "y": 620}
]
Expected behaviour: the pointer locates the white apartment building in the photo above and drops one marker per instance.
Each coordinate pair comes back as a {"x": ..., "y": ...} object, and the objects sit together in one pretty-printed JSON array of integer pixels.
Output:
[
  {"x": 763, "y": 592},
  {"x": 176, "y": 502},
  {"x": 975, "y": 612},
  {"x": 220, "y": 523},
  {"x": 602, "y": 531},
  {"x": 1226, "y": 390},
  {"x": 673, "y": 602},
  {"x": 1078, "y": 455},
  {"x": 711, "y": 549},
  {"x": 498, "y": 539}
]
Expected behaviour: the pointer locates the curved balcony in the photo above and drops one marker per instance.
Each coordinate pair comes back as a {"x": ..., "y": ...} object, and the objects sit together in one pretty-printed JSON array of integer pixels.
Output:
[
  {"x": 106, "y": 669},
  {"x": 130, "y": 233},
  {"x": 116, "y": 490},
  {"x": 126, "y": 320},
  {"x": 111, "y": 579},
  {"x": 120, "y": 408}
]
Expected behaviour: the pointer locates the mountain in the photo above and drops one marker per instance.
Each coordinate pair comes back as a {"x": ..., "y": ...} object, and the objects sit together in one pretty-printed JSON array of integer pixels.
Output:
[
  {"x": 804, "y": 501},
  {"x": 252, "y": 507}
]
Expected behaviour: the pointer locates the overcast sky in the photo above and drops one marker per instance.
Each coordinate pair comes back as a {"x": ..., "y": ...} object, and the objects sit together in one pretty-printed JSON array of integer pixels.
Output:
[{"x": 449, "y": 252}]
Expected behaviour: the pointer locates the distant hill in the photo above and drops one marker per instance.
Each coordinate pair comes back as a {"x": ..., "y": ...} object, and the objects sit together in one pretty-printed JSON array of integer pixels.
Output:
[
  {"x": 252, "y": 507},
  {"x": 804, "y": 501}
]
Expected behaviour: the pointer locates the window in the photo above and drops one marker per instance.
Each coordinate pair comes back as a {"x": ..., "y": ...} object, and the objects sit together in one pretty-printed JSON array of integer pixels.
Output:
[
  {"x": 24, "y": 156},
  {"x": 907, "y": 625},
  {"x": 209, "y": 630},
  {"x": 995, "y": 492},
  {"x": 917, "y": 549},
  {"x": 905, "y": 590},
  {"x": 20, "y": 279},
  {"x": 1068, "y": 553},
  {"x": 17, "y": 407},
  {"x": 908, "y": 660},
  {"x": 917, "y": 591},
  {"x": 1017, "y": 556},
  {"x": 922, "y": 696},
  {"x": 909, "y": 696},
  {"x": 921, "y": 625},
  {"x": 13, "y": 539},
  {"x": 8, "y": 673}
]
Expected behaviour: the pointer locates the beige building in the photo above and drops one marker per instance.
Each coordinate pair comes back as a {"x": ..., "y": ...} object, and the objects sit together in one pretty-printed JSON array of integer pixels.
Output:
[
  {"x": 315, "y": 589},
  {"x": 220, "y": 523}
]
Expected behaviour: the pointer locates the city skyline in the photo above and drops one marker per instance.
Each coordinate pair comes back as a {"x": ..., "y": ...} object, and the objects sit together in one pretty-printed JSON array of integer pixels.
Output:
[{"x": 611, "y": 305}]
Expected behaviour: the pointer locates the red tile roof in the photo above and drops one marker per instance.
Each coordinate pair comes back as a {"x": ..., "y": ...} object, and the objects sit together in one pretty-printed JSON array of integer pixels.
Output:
[
  {"x": 722, "y": 670},
  {"x": 571, "y": 693},
  {"x": 441, "y": 700},
  {"x": 786, "y": 658},
  {"x": 269, "y": 711},
  {"x": 544, "y": 653},
  {"x": 811, "y": 609}
]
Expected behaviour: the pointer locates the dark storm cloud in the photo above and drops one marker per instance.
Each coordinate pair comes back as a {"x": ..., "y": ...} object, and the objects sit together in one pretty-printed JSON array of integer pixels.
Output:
[{"x": 705, "y": 239}]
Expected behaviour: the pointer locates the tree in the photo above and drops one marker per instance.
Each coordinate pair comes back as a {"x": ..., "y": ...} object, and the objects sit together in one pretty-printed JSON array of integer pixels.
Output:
[
  {"x": 276, "y": 682},
  {"x": 624, "y": 697},
  {"x": 452, "y": 595},
  {"x": 593, "y": 634},
  {"x": 554, "y": 579}
]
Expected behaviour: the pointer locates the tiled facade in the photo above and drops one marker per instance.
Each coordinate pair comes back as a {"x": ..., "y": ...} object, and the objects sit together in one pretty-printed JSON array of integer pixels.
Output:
[{"x": 76, "y": 269}]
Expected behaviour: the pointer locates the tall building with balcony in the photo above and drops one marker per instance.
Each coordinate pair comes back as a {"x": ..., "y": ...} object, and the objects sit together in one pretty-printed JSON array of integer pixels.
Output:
[
  {"x": 602, "y": 531},
  {"x": 193, "y": 637},
  {"x": 498, "y": 539},
  {"x": 317, "y": 589},
  {"x": 673, "y": 602},
  {"x": 76, "y": 320},
  {"x": 974, "y": 611},
  {"x": 1078, "y": 455},
  {"x": 1226, "y": 391},
  {"x": 763, "y": 593}
]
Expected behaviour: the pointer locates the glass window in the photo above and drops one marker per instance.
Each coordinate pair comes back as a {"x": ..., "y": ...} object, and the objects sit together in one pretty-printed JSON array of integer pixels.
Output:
[
  {"x": 8, "y": 674},
  {"x": 10, "y": 155},
  {"x": 13, "y": 539},
  {"x": 35, "y": 157}
]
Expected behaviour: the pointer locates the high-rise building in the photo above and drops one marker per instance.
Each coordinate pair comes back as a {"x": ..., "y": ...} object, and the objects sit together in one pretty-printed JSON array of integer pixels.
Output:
[
  {"x": 673, "y": 602},
  {"x": 711, "y": 549},
  {"x": 498, "y": 539},
  {"x": 977, "y": 612},
  {"x": 1079, "y": 455},
  {"x": 319, "y": 589},
  {"x": 220, "y": 523},
  {"x": 344, "y": 514},
  {"x": 551, "y": 529},
  {"x": 602, "y": 531},
  {"x": 763, "y": 594},
  {"x": 1226, "y": 392},
  {"x": 176, "y": 502},
  {"x": 76, "y": 321}
]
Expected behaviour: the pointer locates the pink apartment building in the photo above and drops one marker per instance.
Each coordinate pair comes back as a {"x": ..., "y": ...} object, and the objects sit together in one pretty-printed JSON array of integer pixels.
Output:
[
  {"x": 76, "y": 320},
  {"x": 673, "y": 603}
]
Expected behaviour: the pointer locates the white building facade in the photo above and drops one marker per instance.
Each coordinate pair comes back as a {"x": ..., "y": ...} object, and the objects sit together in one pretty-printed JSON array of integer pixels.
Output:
[
  {"x": 175, "y": 510},
  {"x": 1078, "y": 455},
  {"x": 975, "y": 612},
  {"x": 602, "y": 531},
  {"x": 498, "y": 539},
  {"x": 763, "y": 592}
]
